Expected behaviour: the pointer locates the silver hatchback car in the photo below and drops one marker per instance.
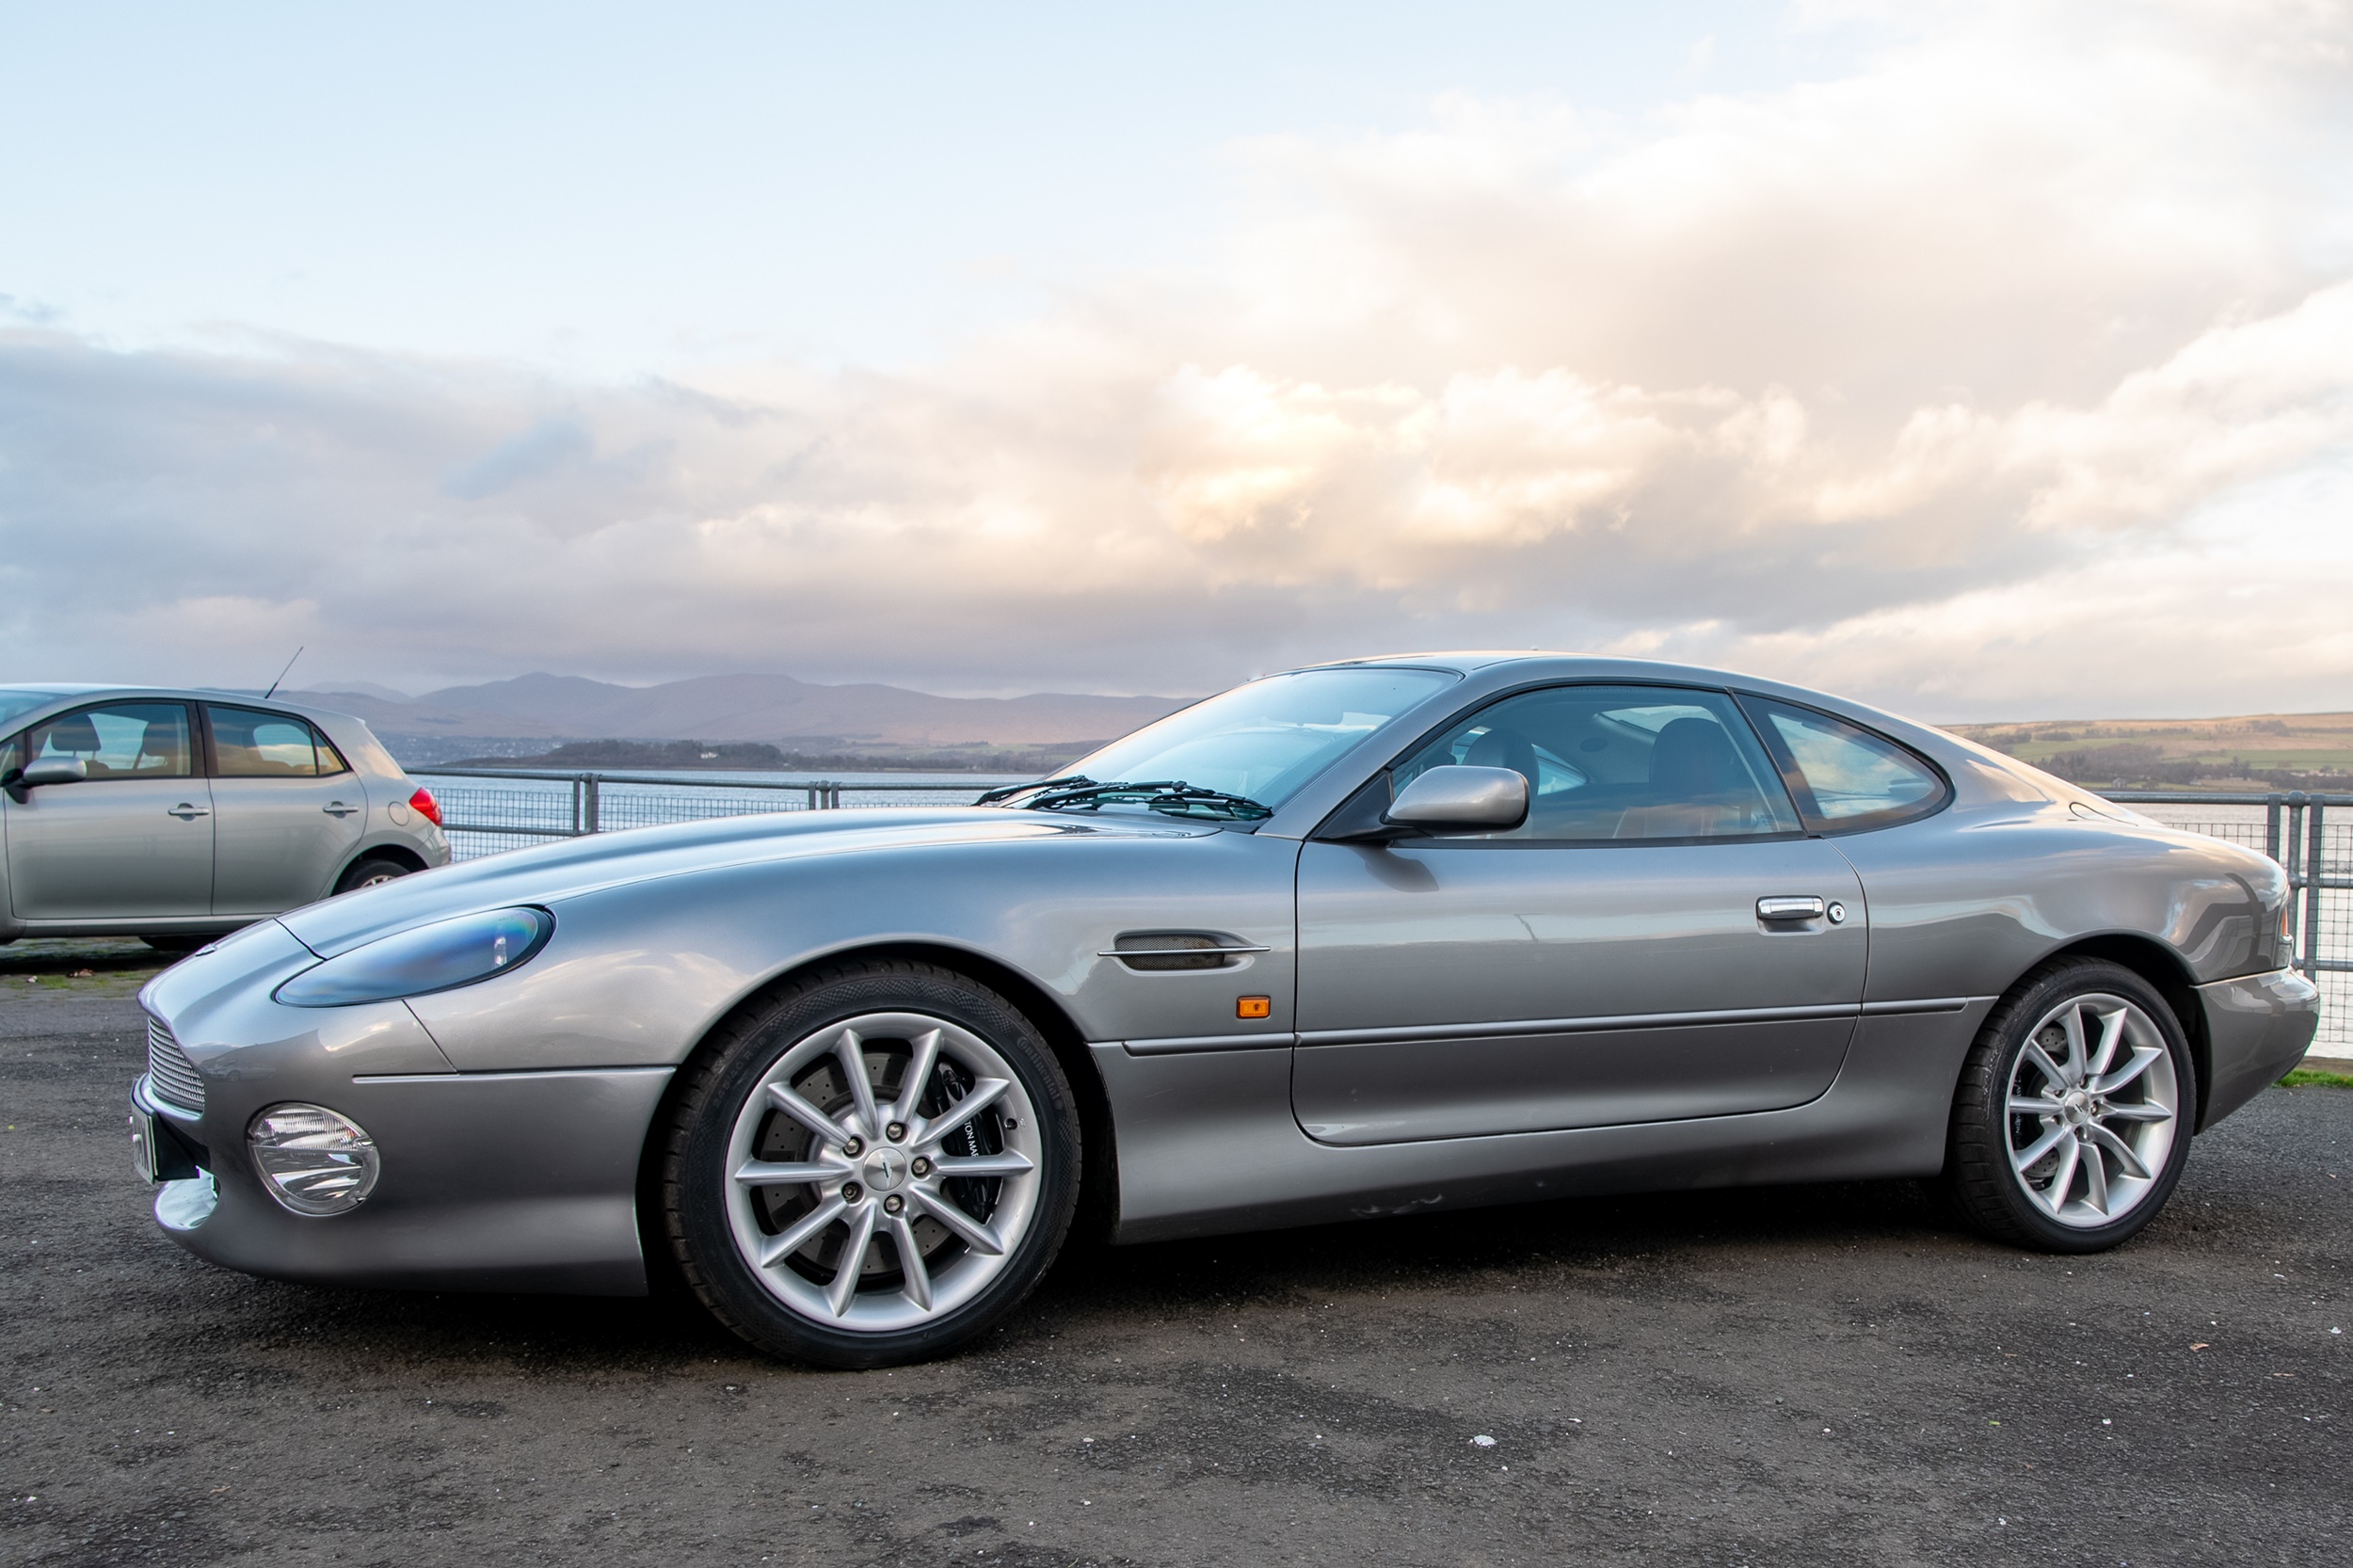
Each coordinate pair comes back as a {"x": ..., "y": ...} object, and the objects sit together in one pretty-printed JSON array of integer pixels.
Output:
[{"x": 176, "y": 815}]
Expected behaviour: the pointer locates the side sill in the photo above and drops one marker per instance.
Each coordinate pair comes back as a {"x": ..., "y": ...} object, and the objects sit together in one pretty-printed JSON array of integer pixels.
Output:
[
  {"x": 507, "y": 1076},
  {"x": 1185, "y": 1044},
  {"x": 1503, "y": 1028}
]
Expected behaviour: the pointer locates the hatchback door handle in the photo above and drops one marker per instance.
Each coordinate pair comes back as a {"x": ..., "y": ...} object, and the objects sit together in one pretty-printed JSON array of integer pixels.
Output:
[
  {"x": 187, "y": 811},
  {"x": 1791, "y": 908},
  {"x": 337, "y": 808}
]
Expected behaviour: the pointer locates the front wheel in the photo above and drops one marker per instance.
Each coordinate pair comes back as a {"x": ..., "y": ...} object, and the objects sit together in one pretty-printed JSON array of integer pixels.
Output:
[
  {"x": 2072, "y": 1120},
  {"x": 872, "y": 1168}
]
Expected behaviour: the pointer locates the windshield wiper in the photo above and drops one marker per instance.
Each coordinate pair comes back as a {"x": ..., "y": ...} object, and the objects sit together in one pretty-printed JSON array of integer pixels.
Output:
[
  {"x": 1172, "y": 798},
  {"x": 1006, "y": 792}
]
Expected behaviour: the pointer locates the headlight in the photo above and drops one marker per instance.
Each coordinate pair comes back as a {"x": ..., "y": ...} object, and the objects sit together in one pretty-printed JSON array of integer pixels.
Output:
[
  {"x": 438, "y": 957},
  {"x": 314, "y": 1161}
]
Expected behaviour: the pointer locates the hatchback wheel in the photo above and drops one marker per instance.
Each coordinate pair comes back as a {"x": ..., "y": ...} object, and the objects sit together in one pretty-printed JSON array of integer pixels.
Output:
[
  {"x": 2074, "y": 1115},
  {"x": 369, "y": 873},
  {"x": 872, "y": 1168}
]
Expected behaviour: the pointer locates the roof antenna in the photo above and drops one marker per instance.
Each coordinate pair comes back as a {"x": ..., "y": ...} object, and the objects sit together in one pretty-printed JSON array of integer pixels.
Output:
[{"x": 281, "y": 676}]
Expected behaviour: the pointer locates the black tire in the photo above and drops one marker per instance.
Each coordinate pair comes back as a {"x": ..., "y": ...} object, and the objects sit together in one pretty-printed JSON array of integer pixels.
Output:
[
  {"x": 1982, "y": 1184},
  {"x": 370, "y": 870},
  {"x": 723, "y": 1092}
]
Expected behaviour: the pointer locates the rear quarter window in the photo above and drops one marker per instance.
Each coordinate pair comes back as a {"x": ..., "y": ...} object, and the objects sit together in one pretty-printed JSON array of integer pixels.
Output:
[{"x": 1846, "y": 778}]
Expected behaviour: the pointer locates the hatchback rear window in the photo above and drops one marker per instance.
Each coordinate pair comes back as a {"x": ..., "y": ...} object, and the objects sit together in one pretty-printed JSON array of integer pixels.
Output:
[{"x": 250, "y": 744}]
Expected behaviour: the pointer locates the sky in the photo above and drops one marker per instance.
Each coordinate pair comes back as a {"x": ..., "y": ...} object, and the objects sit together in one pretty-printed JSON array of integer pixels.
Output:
[{"x": 1984, "y": 362}]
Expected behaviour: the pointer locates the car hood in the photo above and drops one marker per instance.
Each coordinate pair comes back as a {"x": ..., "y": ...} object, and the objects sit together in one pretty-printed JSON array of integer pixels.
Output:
[{"x": 551, "y": 874}]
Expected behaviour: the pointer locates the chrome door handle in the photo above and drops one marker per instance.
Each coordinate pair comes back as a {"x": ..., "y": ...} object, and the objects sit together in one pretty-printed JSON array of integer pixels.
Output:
[
  {"x": 337, "y": 808},
  {"x": 187, "y": 811},
  {"x": 1806, "y": 908}
]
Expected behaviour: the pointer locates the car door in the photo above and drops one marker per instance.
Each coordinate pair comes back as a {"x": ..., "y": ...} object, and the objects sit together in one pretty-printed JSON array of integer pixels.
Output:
[
  {"x": 287, "y": 811},
  {"x": 134, "y": 839},
  {"x": 1659, "y": 941}
]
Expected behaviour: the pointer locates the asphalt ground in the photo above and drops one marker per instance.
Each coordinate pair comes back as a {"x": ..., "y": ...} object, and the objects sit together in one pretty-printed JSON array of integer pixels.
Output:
[{"x": 1793, "y": 1376}]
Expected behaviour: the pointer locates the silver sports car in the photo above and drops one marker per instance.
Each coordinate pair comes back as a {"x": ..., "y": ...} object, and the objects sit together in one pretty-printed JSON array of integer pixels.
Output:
[{"x": 1381, "y": 937}]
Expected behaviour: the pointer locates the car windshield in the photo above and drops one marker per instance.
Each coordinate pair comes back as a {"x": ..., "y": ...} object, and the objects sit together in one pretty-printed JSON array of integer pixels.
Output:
[
  {"x": 23, "y": 699},
  {"x": 1265, "y": 741}
]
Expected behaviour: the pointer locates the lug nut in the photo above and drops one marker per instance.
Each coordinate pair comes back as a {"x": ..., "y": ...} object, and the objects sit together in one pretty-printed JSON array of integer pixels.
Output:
[
  {"x": 895, "y": 1131},
  {"x": 854, "y": 1147},
  {"x": 852, "y": 1191},
  {"x": 923, "y": 1167},
  {"x": 894, "y": 1203}
]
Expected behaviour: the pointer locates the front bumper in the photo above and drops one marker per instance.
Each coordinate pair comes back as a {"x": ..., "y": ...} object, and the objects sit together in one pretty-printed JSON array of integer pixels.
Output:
[
  {"x": 491, "y": 1181},
  {"x": 2257, "y": 1027}
]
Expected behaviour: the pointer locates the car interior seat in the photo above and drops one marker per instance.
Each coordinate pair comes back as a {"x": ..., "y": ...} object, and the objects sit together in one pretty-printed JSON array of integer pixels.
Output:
[
  {"x": 1698, "y": 788},
  {"x": 1505, "y": 748},
  {"x": 74, "y": 736}
]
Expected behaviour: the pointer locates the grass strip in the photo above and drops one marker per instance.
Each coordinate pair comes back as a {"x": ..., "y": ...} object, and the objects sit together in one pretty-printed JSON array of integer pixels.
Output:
[{"x": 2312, "y": 1077}]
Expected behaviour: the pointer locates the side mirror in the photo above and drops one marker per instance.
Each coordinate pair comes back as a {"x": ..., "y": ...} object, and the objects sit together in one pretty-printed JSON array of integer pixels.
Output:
[
  {"x": 53, "y": 770},
  {"x": 1462, "y": 799}
]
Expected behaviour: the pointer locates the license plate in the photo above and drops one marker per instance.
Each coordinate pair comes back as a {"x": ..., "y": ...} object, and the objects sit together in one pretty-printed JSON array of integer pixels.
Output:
[
  {"x": 157, "y": 1153},
  {"x": 145, "y": 1137}
]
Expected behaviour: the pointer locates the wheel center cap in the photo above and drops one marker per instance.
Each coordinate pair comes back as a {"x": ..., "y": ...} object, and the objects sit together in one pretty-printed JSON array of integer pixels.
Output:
[
  {"x": 2078, "y": 1106},
  {"x": 885, "y": 1169}
]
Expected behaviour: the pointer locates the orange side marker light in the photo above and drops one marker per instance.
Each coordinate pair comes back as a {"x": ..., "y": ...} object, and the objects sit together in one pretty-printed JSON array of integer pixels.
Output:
[{"x": 1254, "y": 1007}]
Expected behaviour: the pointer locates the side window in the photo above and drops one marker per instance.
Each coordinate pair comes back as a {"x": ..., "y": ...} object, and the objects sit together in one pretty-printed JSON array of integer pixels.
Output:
[
  {"x": 250, "y": 744},
  {"x": 1620, "y": 763},
  {"x": 1845, "y": 778},
  {"x": 11, "y": 754},
  {"x": 130, "y": 740},
  {"x": 330, "y": 760}
]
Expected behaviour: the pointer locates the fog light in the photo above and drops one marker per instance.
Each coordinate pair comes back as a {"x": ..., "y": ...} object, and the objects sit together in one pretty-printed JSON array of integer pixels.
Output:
[{"x": 313, "y": 1161}]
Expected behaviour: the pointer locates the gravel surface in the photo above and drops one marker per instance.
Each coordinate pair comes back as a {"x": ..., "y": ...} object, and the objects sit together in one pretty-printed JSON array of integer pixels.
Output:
[{"x": 1792, "y": 1376}]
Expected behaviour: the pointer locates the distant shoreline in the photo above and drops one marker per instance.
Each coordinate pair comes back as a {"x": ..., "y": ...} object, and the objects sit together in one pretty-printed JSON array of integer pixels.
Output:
[{"x": 756, "y": 757}]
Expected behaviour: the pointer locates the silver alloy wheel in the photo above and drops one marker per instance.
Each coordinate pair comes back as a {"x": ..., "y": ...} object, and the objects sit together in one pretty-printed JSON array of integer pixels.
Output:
[
  {"x": 2094, "y": 1106},
  {"x": 377, "y": 880},
  {"x": 948, "y": 1191}
]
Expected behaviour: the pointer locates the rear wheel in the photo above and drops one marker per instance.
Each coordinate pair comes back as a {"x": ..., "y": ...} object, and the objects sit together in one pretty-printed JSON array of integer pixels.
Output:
[
  {"x": 872, "y": 1168},
  {"x": 2072, "y": 1120},
  {"x": 369, "y": 871}
]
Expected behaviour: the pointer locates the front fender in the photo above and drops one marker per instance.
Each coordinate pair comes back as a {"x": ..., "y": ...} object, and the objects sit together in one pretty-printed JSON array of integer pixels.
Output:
[{"x": 636, "y": 974}]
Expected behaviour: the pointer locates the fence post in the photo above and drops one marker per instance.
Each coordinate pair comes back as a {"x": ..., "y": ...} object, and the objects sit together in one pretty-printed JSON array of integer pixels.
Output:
[
  {"x": 2271, "y": 828},
  {"x": 2292, "y": 857},
  {"x": 588, "y": 800},
  {"x": 2315, "y": 869}
]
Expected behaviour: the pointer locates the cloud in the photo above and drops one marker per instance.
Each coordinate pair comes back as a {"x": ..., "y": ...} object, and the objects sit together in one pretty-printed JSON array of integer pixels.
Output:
[{"x": 1947, "y": 382}]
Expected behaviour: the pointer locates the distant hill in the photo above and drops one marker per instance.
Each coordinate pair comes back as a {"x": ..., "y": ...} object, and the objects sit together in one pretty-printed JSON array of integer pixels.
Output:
[
  {"x": 795, "y": 715},
  {"x": 2258, "y": 751}
]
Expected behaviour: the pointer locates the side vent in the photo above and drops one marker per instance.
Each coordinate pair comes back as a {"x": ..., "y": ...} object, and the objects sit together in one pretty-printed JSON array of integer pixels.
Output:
[{"x": 1164, "y": 952}]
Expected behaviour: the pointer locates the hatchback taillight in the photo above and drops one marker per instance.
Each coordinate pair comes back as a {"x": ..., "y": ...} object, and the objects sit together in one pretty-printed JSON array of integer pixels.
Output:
[{"x": 424, "y": 806}]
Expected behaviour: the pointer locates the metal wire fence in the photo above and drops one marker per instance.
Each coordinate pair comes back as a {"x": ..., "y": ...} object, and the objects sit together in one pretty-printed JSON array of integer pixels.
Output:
[{"x": 487, "y": 810}]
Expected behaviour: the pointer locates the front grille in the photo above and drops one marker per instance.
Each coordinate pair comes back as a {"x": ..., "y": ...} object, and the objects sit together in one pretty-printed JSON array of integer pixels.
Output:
[{"x": 169, "y": 1073}]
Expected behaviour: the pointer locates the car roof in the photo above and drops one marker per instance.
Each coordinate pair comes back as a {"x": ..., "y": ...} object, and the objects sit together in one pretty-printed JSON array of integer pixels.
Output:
[
  {"x": 1501, "y": 666},
  {"x": 62, "y": 689},
  {"x": 62, "y": 694}
]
